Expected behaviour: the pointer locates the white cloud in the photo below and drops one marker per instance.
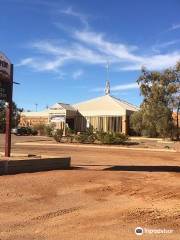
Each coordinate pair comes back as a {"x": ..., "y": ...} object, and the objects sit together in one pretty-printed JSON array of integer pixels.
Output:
[
  {"x": 88, "y": 47},
  {"x": 25, "y": 62},
  {"x": 54, "y": 56},
  {"x": 117, "y": 51},
  {"x": 120, "y": 53},
  {"x": 118, "y": 88},
  {"x": 124, "y": 87},
  {"x": 41, "y": 64},
  {"x": 174, "y": 27},
  {"x": 77, "y": 74},
  {"x": 155, "y": 62},
  {"x": 70, "y": 12},
  {"x": 157, "y": 47}
]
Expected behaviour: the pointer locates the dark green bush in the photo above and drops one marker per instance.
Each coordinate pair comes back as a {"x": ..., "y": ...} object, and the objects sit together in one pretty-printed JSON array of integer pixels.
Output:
[
  {"x": 111, "y": 138},
  {"x": 44, "y": 130},
  {"x": 70, "y": 134},
  {"x": 87, "y": 137},
  {"x": 100, "y": 136},
  {"x": 34, "y": 132},
  {"x": 40, "y": 128},
  {"x": 49, "y": 129},
  {"x": 120, "y": 138},
  {"x": 58, "y": 135}
]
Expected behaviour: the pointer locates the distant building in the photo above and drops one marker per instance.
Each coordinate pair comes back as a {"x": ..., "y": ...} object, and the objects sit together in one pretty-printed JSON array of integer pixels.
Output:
[{"x": 105, "y": 113}]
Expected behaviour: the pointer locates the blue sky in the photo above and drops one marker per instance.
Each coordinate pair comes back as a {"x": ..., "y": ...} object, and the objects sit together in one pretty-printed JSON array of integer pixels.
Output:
[{"x": 60, "y": 48}]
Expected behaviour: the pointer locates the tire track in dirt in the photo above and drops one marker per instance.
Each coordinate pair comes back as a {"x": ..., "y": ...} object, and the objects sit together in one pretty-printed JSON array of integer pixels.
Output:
[
  {"x": 44, "y": 217},
  {"x": 55, "y": 214}
]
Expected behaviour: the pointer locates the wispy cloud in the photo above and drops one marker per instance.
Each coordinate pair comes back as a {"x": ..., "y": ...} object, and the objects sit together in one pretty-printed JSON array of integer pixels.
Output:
[
  {"x": 82, "y": 17},
  {"x": 54, "y": 56},
  {"x": 158, "y": 46},
  {"x": 155, "y": 62},
  {"x": 90, "y": 47},
  {"x": 118, "y": 88},
  {"x": 117, "y": 51},
  {"x": 124, "y": 55},
  {"x": 124, "y": 87},
  {"x": 25, "y": 62},
  {"x": 174, "y": 27},
  {"x": 77, "y": 74}
]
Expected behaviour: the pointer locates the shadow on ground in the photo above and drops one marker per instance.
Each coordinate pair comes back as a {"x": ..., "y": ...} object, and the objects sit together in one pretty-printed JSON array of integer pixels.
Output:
[
  {"x": 144, "y": 168},
  {"x": 98, "y": 167}
]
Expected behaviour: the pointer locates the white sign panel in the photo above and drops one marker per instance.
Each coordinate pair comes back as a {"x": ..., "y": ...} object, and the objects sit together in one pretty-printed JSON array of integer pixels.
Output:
[
  {"x": 57, "y": 119},
  {"x": 5, "y": 67}
]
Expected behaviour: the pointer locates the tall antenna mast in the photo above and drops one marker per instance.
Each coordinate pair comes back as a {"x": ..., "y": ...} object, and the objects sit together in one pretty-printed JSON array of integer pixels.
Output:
[
  {"x": 107, "y": 71},
  {"x": 107, "y": 89}
]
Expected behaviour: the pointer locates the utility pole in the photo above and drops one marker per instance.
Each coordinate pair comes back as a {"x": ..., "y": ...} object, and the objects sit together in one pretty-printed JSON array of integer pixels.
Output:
[
  {"x": 36, "y": 104},
  {"x": 9, "y": 115}
]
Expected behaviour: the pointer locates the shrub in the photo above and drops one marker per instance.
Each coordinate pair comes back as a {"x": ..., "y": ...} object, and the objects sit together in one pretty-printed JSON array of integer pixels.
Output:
[
  {"x": 58, "y": 135},
  {"x": 108, "y": 138},
  {"x": 40, "y": 128},
  {"x": 111, "y": 138},
  {"x": 70, "y": 134},
  {"x": 100, "y": 135},
  {"x": 103, "y": 137},
  {"x": 81, "y": 138},
  {"x": 70, "y": 131},
  {"x": 48, "y": 129},
  {"x": 44, "y": 130},
  {"x": 34, "y": 132},
  {"x": 120, "y": 138},
  {"x": 87, "y": 137}
]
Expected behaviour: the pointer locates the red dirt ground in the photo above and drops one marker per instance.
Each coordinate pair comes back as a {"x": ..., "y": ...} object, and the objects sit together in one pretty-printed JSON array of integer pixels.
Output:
[{"x": 99, "y": 199}]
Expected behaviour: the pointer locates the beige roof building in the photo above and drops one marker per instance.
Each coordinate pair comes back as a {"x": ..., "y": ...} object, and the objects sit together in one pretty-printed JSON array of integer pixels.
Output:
[
  {"x": 105, "y": 113},
  {"x": 105, "y": 106}
]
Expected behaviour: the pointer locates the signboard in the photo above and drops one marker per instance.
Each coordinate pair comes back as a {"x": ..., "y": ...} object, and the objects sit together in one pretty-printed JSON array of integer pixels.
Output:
[
  {"x": 5, "y": 68},
  {"x": 5, "y": 77},
  {"x": 57, "y": 118},
  {"x": 87, "y": 124}
]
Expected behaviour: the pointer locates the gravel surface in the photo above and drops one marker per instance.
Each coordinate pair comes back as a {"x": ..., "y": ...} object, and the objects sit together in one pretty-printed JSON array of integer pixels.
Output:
[{"x": 105, "y": 196}]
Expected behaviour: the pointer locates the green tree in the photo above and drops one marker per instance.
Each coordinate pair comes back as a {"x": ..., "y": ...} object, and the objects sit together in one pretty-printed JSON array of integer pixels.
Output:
[
  {"x": 161, "y": 92},
  {"x": 176, "y": 98},
  {"x": 136, "y": 122},
  {"x": 15, "y": 116}
]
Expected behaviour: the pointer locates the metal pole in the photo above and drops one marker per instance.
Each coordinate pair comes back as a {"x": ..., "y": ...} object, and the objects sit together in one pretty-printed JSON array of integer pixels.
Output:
[
  {"x": 9, "y": 116},
  {"x": 36, "y": 104}
]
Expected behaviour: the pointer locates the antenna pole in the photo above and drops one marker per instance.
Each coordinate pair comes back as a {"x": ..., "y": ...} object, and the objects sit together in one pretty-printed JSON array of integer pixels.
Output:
[
  {"x": 107, "y": 89},
  {"x": 107, "y": 72}
]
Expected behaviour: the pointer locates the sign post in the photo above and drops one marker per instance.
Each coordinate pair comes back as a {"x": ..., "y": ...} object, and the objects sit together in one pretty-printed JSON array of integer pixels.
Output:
[{"x": 6, "y": 88}]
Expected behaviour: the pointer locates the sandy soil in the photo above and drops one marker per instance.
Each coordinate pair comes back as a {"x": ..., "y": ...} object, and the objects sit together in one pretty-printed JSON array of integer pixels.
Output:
[{"x": 102, "y": 197}]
